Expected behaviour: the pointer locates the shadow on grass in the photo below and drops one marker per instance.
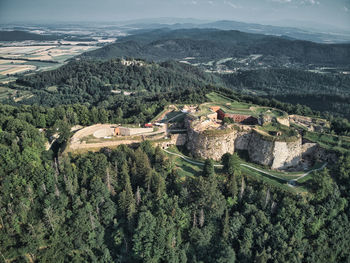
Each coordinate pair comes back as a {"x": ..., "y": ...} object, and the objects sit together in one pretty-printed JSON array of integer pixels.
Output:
[{"x": 188, "y": 169}]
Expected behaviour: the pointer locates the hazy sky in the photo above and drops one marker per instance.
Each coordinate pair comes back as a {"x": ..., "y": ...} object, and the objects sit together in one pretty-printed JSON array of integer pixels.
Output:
[{"x": 333, "y": 12}]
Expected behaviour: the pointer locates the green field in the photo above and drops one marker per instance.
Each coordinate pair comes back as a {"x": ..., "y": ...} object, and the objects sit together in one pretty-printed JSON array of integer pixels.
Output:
[
  {"x": 330, "y": 142},
  {"x": 5, "y": 93},
  {"x": 174, "y": 116},
  {"x": 276, "y": 178},
  {"x": 230, "y": 106},
  {"x": 215, "y": 97},
  {"x": 17, "y": 95},
  {"x": 287, "y": 134}
]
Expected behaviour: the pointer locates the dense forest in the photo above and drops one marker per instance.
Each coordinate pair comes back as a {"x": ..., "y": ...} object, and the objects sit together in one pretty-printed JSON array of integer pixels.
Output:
[
  {"x": 92, "y": 81},
  {"x": 127, "y": 205},
  {"x": 321, "y": 92},
  {"x": 17, "y": 35},
  {"x": 208, "y": 44}
]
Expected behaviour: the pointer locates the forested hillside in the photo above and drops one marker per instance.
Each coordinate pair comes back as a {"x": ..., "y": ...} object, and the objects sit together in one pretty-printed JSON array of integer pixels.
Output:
[
  {"x": 127, "y": 205},
  {"x": 321, "y": 92},
  {"x": 290, "y": 81},
  {"x": 209, "y": 44},
  {"x": 18, "y": 35},
  {"x": 92, "y": 81}
]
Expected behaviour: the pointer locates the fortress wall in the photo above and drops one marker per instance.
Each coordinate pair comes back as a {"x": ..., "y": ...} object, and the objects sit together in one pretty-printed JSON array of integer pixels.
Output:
[
  {"x": 263, "y": 150},
  {"x": 287, "y": 154},
  {"x": 134, "y": 131},
  {"x": 260, "y": 150},
  {"x": 276, "y": 154},
  {"x": 203, "y": 146},
  {"x": 104, "y": 132},
  {"x": 179, "y": 139},
  {"x": 242, "y": 140},
  {"x": 283, "y": 121}
]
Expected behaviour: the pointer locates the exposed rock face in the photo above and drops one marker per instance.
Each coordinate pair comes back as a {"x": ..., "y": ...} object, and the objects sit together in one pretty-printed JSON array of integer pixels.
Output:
[
  {"x": 261, "y": 150},
  {"x": 283, "y": 121},
  {"x": 204, "y": 146},
  {"x": 286, "y": 154},
  {"x": 314, "y": 152},
  {"x": 175, "y": 139},
  {"x": 242, "y": 140},
  {"x": 276, "y": 154}
]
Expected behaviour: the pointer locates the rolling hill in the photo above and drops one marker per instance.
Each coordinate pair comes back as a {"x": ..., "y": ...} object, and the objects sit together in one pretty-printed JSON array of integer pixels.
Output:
[{"x": 210, "y": 44}]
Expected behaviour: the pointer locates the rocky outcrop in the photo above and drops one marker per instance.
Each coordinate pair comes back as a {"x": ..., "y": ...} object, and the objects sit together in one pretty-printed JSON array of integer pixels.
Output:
[
  {"x": 315, "y": 152},
  {"x": 206, "y": 146},
  {"x": 242, "y": 140},
  {"x": 283, "y": 121},
  {"x": 262, "y": 148},
  {"x": 175, "y": 139},
  {"x": 286, "y": 154},
  {"x": 276, "y": 154},
  {"x": 265, "y": 151}
]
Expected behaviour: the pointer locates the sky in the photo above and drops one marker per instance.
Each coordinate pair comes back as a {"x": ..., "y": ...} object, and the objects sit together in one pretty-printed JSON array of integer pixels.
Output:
[{"x": 286, "y": 12}]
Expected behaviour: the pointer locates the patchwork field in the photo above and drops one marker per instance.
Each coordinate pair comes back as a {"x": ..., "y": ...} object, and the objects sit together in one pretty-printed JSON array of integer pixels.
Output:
[
  {"x": 21, "y": 57},
  {"x": 15, "y": 68}
]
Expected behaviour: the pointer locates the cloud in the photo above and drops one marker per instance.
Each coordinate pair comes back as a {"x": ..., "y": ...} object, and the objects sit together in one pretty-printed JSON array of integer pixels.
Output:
[
  {"x": 309, "y": 2},
  {"x": 282, "y": 1},
  {"x": 346, "y": 9},
  {"x": 194, "y": 2},
  {"x": 210, "y": 2},
  {"x": 232, "y": 4},
  {"x": 313, "y": 2},
  {"x": 297, "y": 2}
]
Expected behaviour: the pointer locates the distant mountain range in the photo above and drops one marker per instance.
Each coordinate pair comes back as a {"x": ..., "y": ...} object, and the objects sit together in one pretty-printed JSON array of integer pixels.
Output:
[
  {"x": 301, "y": 33},
  {"x": 211, "y": 44}
]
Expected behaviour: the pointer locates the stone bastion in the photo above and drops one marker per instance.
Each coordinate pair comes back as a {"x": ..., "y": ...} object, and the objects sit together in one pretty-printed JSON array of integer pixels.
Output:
[{"x": 214, "y": 141}]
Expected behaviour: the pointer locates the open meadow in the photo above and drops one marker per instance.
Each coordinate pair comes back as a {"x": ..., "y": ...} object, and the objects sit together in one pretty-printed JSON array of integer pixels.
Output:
[{"x": 33, "y": 56}]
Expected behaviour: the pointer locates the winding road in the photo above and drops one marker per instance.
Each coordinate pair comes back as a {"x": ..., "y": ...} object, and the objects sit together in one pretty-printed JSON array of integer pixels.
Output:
[{"x": 290, "y": 182}]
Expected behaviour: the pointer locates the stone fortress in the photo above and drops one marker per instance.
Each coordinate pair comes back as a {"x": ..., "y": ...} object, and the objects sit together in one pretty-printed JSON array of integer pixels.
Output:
[
  {"x": 261, "y": 135},
  {"x": 264, "y": 134}
]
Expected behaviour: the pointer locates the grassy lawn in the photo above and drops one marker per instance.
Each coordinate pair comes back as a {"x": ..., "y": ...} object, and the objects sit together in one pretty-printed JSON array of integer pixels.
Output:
[
  {"x": 215, "y": 97},
  {"x": 160, "y": 114},
  {"x": 239, "y": 105},
  {"x": 270, "y": 180},
  {"x": 269, "y": 111},
  {"x": 5, "y": 92},
  {"x": 186, "y": 169},
  {"x": 231, "y": 106},
  {"x": 287, "y": 134},
  {"x": 175, "y": 116},
  {"x": 329, "y": 141}
]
